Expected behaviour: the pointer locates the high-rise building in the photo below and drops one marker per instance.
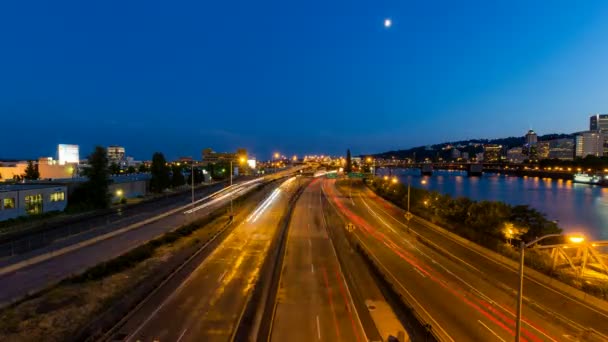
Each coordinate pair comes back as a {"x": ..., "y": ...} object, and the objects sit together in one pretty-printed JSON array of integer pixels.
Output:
[
  {"x": 590, "y": 143},
  {"x": 116, "y": 154},
  {"x": 516, "y": 155},
  {"x": 561, "y": 149},
  {"x": 531, "y": 137},
  {"x": 598, "y": 122},
  {"x": 68, "y": 154}
]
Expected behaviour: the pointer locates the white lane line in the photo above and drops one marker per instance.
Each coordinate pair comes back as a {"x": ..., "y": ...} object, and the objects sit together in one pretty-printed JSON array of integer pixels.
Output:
[
  {"x": 312, "y": 268},
  {"x": 318, "y": 328},
  {"x": 222, "y": 276},
  {"x": 182, "y": 335},
  {"x": 309, "y": 243},
  {"x": 421, "y": 274},
  {"x": 492, "y": 331}
]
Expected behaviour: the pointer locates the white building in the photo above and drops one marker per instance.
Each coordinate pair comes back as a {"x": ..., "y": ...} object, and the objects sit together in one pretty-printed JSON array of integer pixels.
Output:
[
  {"x": 516, "y": 155},
  {"x": 68, "y": 154},
  {"x": 31, "y": 199},
  {"x": 589, "y": 143}
]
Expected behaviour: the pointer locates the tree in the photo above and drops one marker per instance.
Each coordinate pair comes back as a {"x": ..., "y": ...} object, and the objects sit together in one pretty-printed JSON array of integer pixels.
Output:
[
  {"x": 31, "y": 171},
  {"x": 177, "y": 179},
  {"x": 488, "y": 217},
  {"x": 114, "y": 169},
  {"x": 96, "y": 188},
  {"x": 160, "y": 173},
  {"x": 131, "y": 169},
  {"x": 348, "y": 168},
  {"x": 533, "y": 221},
  {"x": 143, "y": 168}
]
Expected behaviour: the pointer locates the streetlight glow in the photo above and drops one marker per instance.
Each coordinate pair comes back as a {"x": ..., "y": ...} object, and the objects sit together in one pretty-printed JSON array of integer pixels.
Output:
[
  {"x": 576, "y": 238},
  {"x": 394, "y": 180}
]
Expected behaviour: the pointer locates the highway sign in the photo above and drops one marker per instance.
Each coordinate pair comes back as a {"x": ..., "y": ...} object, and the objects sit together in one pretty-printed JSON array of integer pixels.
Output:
[
  {"x": 408, "y": 216},
  {"x": 350, "y": 227},
  {"x": 355, "y": 175}
]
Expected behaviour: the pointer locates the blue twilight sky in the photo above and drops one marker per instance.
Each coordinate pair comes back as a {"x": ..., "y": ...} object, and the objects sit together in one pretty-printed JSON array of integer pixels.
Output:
[{"x": 294, "y": 76}]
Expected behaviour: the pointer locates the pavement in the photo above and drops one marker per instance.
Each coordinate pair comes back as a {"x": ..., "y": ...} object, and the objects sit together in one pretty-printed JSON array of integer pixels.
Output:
[
  {"x": 35, "y": 271},
  {"x": 463, "y": 296},
  {"x": 208, "y": 304},
  {"x": 313, "y": 301}
]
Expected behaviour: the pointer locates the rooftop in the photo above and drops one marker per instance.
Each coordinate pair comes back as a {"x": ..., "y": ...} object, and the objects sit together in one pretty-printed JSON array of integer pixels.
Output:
[{"x": 19, "y": 187}]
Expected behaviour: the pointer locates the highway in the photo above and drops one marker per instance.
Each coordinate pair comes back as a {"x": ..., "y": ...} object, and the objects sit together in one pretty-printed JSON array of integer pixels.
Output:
[
  {"x": 313, "y": 301},
  {"x": 28, "y": 278},
  {"x": 208, "y": 304},
  {"x": 464, "y": 296}
]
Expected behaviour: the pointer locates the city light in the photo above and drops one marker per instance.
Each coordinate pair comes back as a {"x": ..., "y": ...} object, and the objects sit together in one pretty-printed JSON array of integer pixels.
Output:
[
  {"x": 576, "y": 238},
  {"x": 276, "y": 155},
  {"x": 119, "y": 193},
  {"x": 423, "y": 181},
  {"x": 394, "y": 180},
  {"x": 385, "y": 178}
]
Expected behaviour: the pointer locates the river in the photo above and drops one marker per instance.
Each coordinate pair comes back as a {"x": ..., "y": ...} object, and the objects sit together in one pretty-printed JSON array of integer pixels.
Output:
[{"x": 577, "y": 207}]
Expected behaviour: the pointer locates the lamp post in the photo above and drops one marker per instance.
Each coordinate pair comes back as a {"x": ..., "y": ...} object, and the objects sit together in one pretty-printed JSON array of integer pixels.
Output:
[{"x": 523, "y": 246}]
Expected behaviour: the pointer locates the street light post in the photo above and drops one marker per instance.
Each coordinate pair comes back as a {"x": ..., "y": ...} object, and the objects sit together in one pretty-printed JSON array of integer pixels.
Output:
[
  {"x": 523, "y": 246},
  {"x": 192, "y": 183}
]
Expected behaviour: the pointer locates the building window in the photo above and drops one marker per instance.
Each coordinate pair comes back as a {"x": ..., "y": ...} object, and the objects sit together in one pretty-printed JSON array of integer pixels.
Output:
[
  {"x": 33, "y": 204},
  {"x": 58, "y": 196},
  {"x": 9, "y": 203}
]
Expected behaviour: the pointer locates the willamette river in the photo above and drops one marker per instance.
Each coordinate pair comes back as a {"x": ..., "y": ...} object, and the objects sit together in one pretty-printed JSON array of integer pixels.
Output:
[{"x": 577, "y": 207}]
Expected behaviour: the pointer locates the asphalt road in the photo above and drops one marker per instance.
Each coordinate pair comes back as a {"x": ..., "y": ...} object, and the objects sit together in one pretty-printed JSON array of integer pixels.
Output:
[
  {"x": 34, "y": 277},
  {"x": 313, "y": 300},
  {"x": 463, "y": 295},
  {"x": 208, "y": 304}
]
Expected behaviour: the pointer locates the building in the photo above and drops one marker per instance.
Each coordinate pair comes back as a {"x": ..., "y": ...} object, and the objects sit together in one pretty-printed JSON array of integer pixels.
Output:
[
  {"x": 492, "y": 153},
  {"x": 598, "y": 122},
  {"x": 210, "y": 156},
  {"x": 31, "y": 199},
  {"x": 465, "y": 155},
  {"x": 116, "y": 154},
  {"x": 455, "y": 154},
  {"x": 590, "y": 143},
  {"x": 10, "y": 170},
  {"x": 68, "y": 154},
  {"x": 516, "y": 155},
  {"x": 52, "y": 169},
  {"x": 531, "y": 138},
  {"x": 542, "y": 149},
  {"x": 562, "y": 149}
]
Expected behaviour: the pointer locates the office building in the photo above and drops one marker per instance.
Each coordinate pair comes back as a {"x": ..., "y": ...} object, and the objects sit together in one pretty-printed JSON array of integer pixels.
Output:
[
  {"x": 210, "y": 156},
  {"x": 598, "y": 122},
  {"x": 562, "y": 149},
  {"x": 590, "y": 143},
  {"x": 116, "y": 154},
  {"x": 68, "y": 154},
  {"x": 542, "y": 149},
  {"x": 531, "y": 138},
  {"x": 492, "y": 153},
  {"x": 516, "y": 155}
]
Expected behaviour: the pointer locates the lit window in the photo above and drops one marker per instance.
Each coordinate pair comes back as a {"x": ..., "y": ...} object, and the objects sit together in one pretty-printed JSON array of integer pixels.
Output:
[
  {"x": 33, "y": 204},
  {"x": 9, "y": 203},
  {"x": 58, "y": 196}
]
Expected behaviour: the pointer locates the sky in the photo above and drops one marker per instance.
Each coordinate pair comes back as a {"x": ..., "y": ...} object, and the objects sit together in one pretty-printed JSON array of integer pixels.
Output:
[{"x": 295, "y": 77}]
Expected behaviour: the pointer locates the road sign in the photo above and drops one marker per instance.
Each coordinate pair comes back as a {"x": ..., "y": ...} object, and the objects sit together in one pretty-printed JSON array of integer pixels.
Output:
[
  {"x": 331, "y": 175},
  {"x": 350, "y": 227},
  {"x": 408, "y": 216},
  {"x": 355, "y": 175}
]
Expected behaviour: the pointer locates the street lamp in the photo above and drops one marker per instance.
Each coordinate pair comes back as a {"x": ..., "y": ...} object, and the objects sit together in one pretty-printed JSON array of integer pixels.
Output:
[{"x": 573, "y": 238}]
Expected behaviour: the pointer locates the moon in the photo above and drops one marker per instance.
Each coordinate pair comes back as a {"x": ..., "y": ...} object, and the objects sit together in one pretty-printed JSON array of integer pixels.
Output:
[{"x": 388, "y": 23}]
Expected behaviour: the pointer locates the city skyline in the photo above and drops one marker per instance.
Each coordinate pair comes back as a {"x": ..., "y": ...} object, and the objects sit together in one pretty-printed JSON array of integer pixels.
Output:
[{"x": 317, "y": 78}]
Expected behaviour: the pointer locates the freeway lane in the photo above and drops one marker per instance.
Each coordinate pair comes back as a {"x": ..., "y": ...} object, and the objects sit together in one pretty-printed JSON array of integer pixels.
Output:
[
  {"x": 28, "y": 279},
  {"x": 582, "y": 321},
  {"x": 460, "y": 306},
  {"x": 313, "y": 300},
  {"x": 208, "y": 304}
]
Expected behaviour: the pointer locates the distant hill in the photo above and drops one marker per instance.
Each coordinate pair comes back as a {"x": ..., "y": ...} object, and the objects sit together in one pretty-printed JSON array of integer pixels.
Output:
[{"x": 471, "y": 146}]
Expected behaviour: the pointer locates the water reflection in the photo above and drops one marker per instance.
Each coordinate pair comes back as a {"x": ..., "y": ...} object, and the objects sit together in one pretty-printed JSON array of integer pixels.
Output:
[{"x": 576, "y": 207}]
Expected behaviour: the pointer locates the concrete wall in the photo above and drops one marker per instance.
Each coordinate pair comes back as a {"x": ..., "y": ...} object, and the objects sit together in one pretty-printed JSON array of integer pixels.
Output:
[{"x": 128, "y": 189}]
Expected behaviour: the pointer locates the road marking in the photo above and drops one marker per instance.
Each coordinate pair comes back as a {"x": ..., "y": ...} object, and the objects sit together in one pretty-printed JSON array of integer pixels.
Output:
[
  {"x": 318, "y": 328},
  {"x": 417, "y": 270},
  {"x": 309, "y": 243},
  {"x": 182, "y": 335},
  {"x": 312, "y": 268},
  {"x": 222, "y": 276},
  {"x": 492, "y": 331}
]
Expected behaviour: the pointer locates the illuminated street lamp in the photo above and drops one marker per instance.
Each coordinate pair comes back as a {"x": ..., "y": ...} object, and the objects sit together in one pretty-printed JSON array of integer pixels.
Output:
[
  {"x": 394, "y": 180},
  {"x": 577, "y": 238}
]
